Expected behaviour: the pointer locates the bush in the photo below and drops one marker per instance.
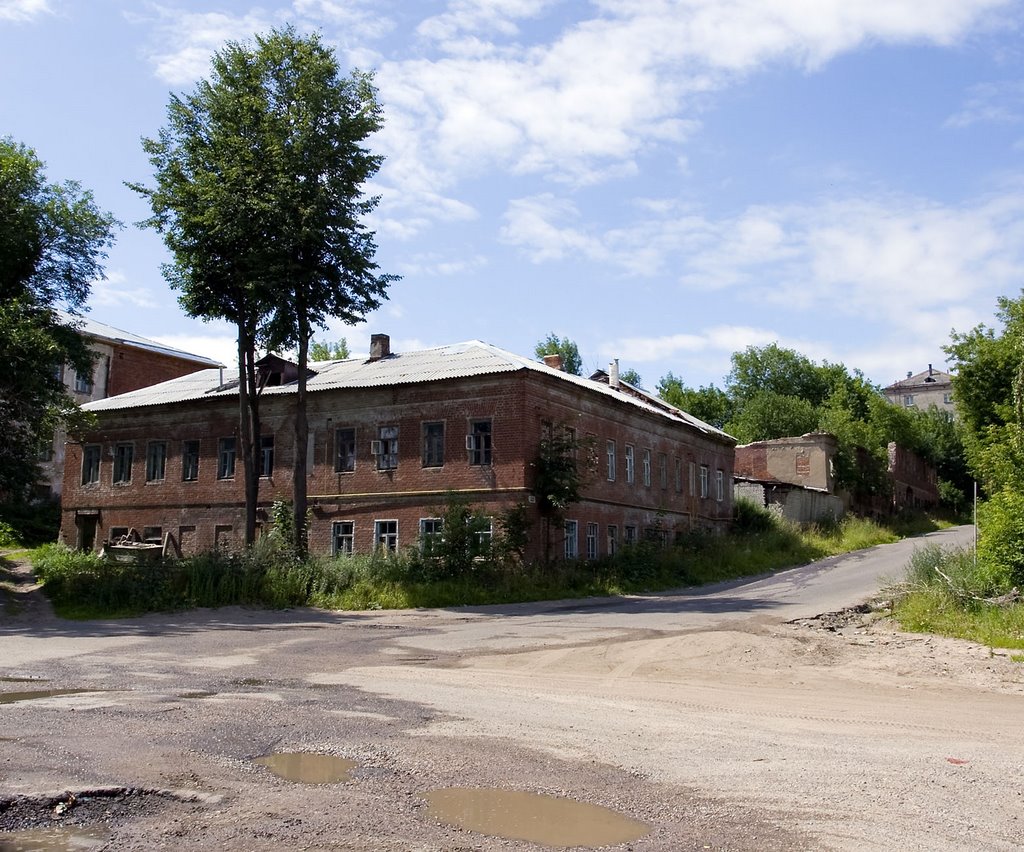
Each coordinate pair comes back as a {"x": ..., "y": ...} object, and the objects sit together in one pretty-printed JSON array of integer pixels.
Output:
[
  {"x": 1001, "y": 539},
  {"x": 748, "y": 517}
]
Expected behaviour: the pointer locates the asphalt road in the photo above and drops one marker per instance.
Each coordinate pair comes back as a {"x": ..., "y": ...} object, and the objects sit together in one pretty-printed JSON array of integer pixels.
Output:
[{"x": 707, "y": 715}]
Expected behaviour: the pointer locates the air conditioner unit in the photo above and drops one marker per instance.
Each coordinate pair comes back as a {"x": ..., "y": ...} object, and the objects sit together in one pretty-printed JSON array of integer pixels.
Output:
[
  {"x": 375, "y": 449},
  {"x": 471, "y": 442}
]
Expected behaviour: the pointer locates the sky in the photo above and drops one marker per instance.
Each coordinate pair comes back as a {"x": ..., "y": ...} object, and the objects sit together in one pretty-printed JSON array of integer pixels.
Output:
[{"x": 665, "y": 182}]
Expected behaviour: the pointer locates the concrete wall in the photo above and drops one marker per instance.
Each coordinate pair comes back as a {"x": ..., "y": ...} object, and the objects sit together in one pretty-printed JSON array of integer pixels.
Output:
[
  {"x": 806, "y": 461},
  {"x": 797, "y": 504}
]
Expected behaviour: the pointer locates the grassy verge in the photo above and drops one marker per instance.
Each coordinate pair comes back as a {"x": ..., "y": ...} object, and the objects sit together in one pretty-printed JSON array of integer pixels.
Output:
[
  {"x": 84, "y": 586},
  {"x": 947, "y": 593}
]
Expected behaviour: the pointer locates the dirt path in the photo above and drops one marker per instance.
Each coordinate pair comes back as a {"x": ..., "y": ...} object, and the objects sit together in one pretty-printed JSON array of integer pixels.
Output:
[{"x": 748, "y": 732}]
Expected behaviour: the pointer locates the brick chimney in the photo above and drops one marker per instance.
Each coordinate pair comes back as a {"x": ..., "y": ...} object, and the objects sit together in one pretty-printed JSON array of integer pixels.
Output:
[
  {"x": 380, "y": 346},
  {"x": 553, "y": 361}
]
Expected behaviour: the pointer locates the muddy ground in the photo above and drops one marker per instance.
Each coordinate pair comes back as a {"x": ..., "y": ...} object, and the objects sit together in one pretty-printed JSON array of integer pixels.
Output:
[{"x": 752, "y": 732}]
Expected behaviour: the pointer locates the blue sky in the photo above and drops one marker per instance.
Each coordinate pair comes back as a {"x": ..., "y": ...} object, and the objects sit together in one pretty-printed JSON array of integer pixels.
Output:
[{"x": 663, "y": 181}]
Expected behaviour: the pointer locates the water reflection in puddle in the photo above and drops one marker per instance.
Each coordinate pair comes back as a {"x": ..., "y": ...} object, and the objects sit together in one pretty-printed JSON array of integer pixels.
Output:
[
  {"x": 53, "y": 839},
  {"x": 308, "y": 768},
  {"x": 518, "y": 815},
  {"x": 36, "y": 694}
]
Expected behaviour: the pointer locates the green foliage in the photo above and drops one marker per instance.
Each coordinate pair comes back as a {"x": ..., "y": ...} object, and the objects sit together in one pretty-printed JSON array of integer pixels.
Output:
[
  {"x": 944, "y": 592},
  {"x": 631, "y": 377},
  {"x": 710, "y": 404},
  {"x": 465, "y": 538},
  {"x": 555, "y": 345},
  {"x": 749, "y": 517},
  {"x": 767, "y": 415},
  {"x": 1001, "y": 539},
  {"x": 53, "y": 239},
  {"x": 559, "y": 470},
  {"x": 326, "y": 350},
  {"x": 781, "y": 372},
  {"x": 30, "y": 524}
]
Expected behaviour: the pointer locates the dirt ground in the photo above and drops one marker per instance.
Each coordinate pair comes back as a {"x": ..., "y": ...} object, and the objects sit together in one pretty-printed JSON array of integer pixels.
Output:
[{"x": 746, "y": 732}]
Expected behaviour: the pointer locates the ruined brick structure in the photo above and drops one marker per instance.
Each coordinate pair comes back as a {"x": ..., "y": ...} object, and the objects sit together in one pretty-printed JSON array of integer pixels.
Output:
[{"x": 390, "y": 437}]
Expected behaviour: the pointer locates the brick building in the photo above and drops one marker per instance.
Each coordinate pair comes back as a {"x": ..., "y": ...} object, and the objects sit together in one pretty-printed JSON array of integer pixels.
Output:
[
  {"x": 124, "y": 362},
  {"x": 391, "y": 437}
]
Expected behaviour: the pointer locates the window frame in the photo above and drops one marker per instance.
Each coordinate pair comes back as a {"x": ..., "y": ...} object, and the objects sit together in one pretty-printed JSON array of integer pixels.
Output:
[
  {"x": 435, "y": 534},
  {"x": 92, "y": 458},
  {"x": 266, "y": 456},
  {"x": 612, "y": 533},
  {"x": 190, "y": 459},
  {"x": 387, "y": 442},
  {"x": 630, "y": 464},
  {"x": 719, "y": 485},
  {"x": 390, "y": 543},
  {"x": 610, "y": 450},
  {"x": 346, "y": 463},
  {"x": 156, "y": 462},
  {"x": 481, "y": 436},
  {"x": 572, "y": 539},
  {"x": 593, "y": 531},
  {"x": 647, "y": 467},
  {"x": 227, "y": 457},
  {"x": 432, "y": 434},
  {"x": 85, "y": 382},
  {"x": 124, "y": 461},
  {"x": 705, "y": 481},
  {"x": 337, "y": 535}
]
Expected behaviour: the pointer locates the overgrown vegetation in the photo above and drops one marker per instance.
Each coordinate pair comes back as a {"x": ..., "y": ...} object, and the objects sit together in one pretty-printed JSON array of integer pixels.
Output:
[
  {"x": 465, "y": 566},
  {"x": 951, "y": 593}
]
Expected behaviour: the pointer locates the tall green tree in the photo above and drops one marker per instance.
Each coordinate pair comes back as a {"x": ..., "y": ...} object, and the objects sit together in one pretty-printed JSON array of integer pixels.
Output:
[
  {"x": 326, "y": 350},
  {"x": 53, "y": 240},
  {"x": 566, "y": 348},
  {"x": 710, "y": 404},
  {"x": 259, "y": 194}
]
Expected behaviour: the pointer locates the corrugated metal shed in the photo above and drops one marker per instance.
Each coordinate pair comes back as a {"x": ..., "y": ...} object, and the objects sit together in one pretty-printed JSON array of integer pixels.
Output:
[{"x": 458, "y": 360}]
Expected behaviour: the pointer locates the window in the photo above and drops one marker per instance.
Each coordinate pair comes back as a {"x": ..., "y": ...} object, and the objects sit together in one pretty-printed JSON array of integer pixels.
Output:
[
  {"x": 153, "y": 534},
  {"x": 947, "y": 398},
  {"x": 90, "y": 464},
  {"x": 478, "y": 442},
  {"x": 431, "y": 530},
  {"x": 647, "y": 467},
  {"x": 703, "y": 481},
  {"x": 613, "y": 539},
  {"x": 592, "y": 531},
  {"x": 679, "y": 476},
  {"x": 693, "y": 479},
  {"x": 117, "y": 533},
  {"x": 719, "y": 485},
  {"x": 663, "y": 469},
  {"x": 385, "y": 535},
  {"x": 343, "y": 536},
  {"x": 226, "y": 458},
  {"x": 124, "y": 455},
  {"x": 433, "y": 444},
  {"x": 630, "y": 534},
  {"x": 908, "y": 400},
  {"x": 572, "y": 545},
  {"x": 266, "y": 455},
  {"x": 156, "y": 460},
  {"x": 386, "y": 447},
  {"x": 344, "y": 450},
  {"x": 83, "y": 382},
  {"x": 630, "y": 465},
  {"x": 483, "y": 536},
  {"x": 189, "y": 461},
  {"x": 611, "y": 461}
]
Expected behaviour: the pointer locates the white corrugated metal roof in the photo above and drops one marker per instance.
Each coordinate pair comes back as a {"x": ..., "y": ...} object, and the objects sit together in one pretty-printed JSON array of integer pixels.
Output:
[
  {"x": 458, "y": 360},
  {"x": 100, "y": 330}
]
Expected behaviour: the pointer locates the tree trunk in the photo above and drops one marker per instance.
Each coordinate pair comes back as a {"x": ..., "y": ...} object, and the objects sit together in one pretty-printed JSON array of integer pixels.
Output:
[
  {"x": 248, "y": 427},
  {"x": 299, "y": 471}
]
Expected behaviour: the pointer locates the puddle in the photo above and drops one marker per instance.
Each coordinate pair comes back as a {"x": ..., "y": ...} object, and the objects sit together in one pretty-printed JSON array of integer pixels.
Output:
[
  {"x": 22, "y": 680},
  {"x": 198, "y": 694},
  {"x": 309, "y": 768},
  {"x": 53, "y": 839},
  {"x": 249, "y": 681},
  {"x": 546, "y": 820},
  {"x": 36, "y": 694}
]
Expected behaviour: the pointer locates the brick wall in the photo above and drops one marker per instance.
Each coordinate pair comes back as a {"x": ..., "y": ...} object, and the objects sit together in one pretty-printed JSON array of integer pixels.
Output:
[
  {"x": 132, "y": 368},
  {"x": 517, "y": 405}
]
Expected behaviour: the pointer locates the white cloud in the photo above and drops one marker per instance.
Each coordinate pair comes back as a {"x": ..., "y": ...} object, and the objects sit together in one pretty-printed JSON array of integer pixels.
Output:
[
  {"x": 1001, "y": 102},
  {"x": 432, "y": 265},
  {"x": 23, "y": 10},
  {"x": 530, "y": 223},
  {"x": 113, "y": 291},
  {"x": 583, "y": 106},
  {"x": 219, "y": 347}
]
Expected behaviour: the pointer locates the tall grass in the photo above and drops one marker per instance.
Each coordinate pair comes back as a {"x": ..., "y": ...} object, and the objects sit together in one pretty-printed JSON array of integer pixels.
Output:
[
  {"x": 948, "y": 592},
  {"x": 84, "y": 586}
]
